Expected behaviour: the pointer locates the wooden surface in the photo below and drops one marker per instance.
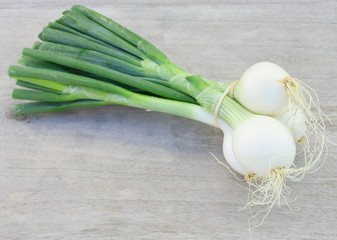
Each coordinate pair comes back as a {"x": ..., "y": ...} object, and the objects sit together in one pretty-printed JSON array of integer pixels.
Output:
[{"x": 121, "y": 173}]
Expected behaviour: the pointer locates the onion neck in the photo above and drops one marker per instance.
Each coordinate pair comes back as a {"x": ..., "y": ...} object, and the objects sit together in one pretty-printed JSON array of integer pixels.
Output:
[{"x": 218, "y": 104}]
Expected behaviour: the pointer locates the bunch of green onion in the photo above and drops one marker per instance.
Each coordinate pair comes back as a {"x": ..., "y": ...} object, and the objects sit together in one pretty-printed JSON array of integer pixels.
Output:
[{"x": 85, "y": 59}]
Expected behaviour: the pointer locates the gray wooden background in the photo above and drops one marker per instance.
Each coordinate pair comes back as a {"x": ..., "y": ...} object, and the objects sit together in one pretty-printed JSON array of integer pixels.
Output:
[{"x": 121, "y": 173}]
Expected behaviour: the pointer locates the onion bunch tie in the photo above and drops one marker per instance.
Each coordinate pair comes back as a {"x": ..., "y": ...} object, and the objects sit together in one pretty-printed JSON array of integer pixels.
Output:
[{"x": 230, "y": 92}]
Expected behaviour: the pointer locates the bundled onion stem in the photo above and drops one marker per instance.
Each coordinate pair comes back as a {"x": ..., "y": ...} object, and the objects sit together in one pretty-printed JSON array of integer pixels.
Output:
[{"x": 86, "y": 59}]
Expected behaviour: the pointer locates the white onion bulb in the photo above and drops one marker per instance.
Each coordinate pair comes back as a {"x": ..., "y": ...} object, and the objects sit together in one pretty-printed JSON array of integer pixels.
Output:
[
  {"x": 261, "y": 89},
  {"x": 258, "y": 145},
  {"x": 295, "y": 120},
  {"x": 262, "y": 144}
]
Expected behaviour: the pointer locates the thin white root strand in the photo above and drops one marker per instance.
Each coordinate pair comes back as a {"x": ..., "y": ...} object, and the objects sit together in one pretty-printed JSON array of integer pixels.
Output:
[
  {"x": 305, "y": 97},
  {"x": 269, "y": 191},
  {"x": 272, "y": 189},
  {"x": 226, "y": 166},
  {"x": 314, "y": 143}
]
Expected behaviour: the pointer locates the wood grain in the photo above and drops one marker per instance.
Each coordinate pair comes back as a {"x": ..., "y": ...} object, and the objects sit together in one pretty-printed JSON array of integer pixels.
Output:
[{"x": 122, "y": 173}]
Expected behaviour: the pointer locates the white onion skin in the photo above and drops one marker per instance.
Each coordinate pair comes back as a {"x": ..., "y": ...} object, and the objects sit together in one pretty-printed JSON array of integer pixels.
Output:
[
  {"x": 228, "y": 149},
  {"x": 258, "y": 145},
  {"x": 263, "y": 143},
  {"x": 206, "y": 117},
  {"x": 295, "y": 120},
  {"x": 252, "y": 144},
  {"x": 260, "y": 89}
]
